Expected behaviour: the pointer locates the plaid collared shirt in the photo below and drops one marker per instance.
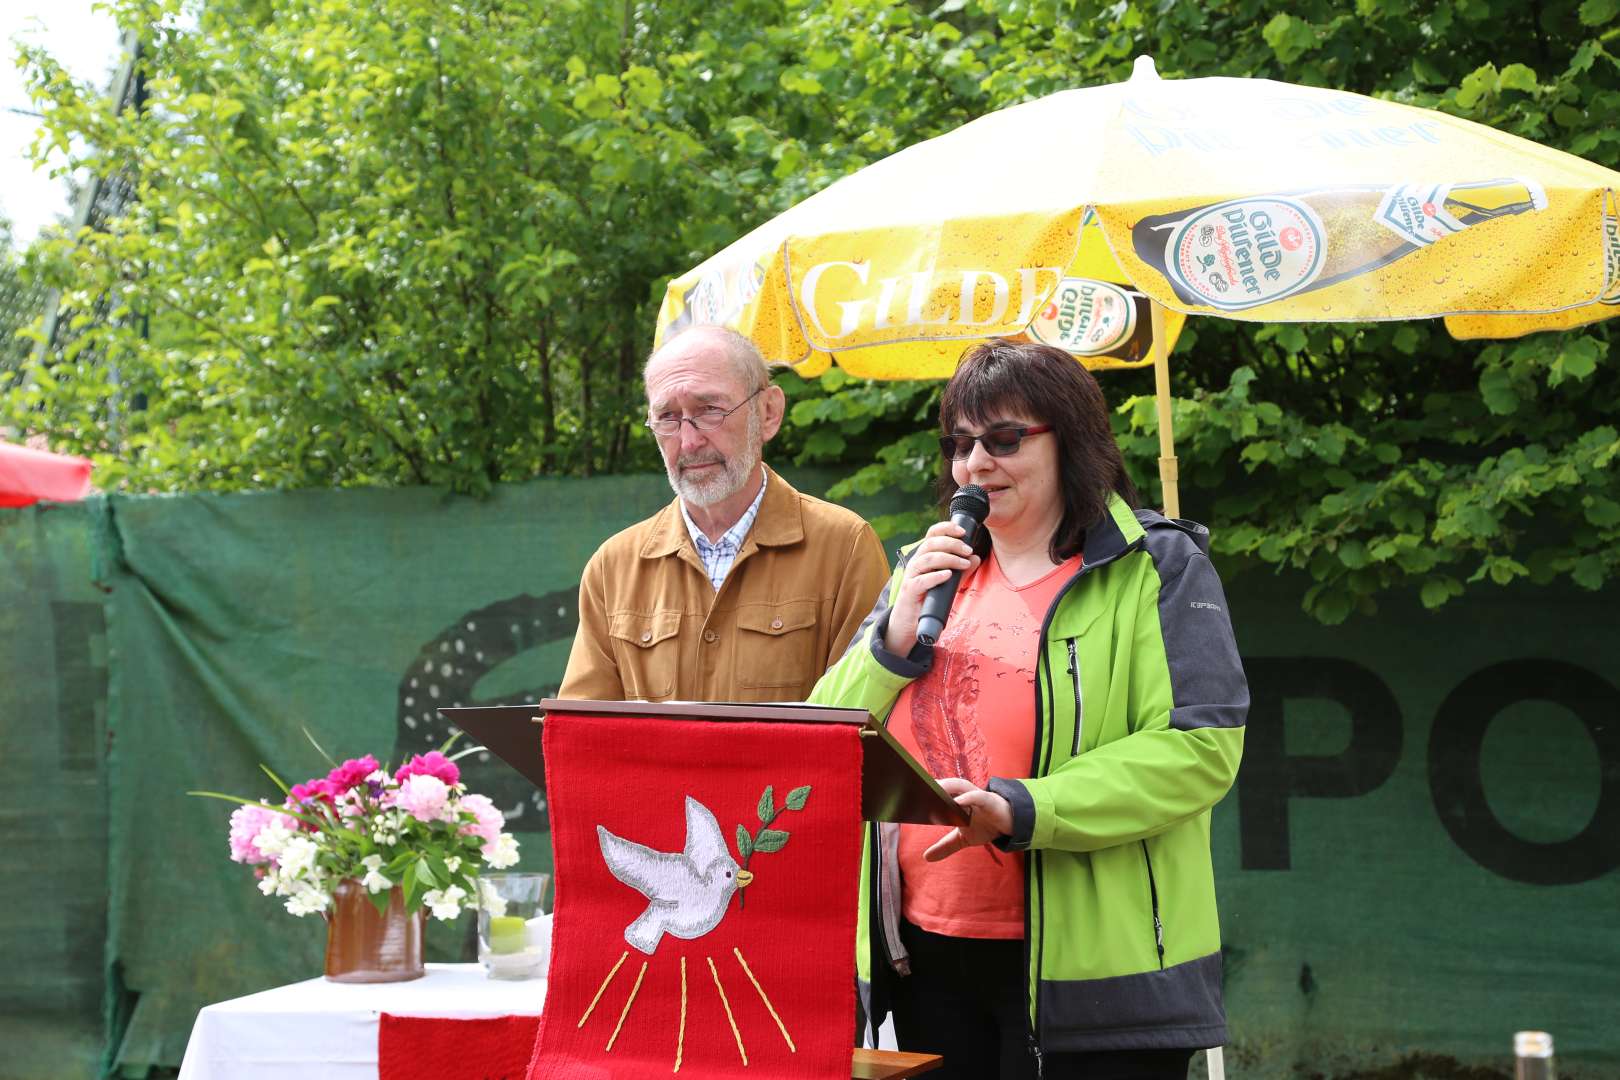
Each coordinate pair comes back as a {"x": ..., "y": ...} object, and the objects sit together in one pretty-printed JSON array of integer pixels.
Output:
[{"x": 719, "y": 555}]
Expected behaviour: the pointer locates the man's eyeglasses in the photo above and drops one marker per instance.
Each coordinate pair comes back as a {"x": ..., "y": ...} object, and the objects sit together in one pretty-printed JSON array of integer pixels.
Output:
[
  {"x": 997, "y": 442},
  {"x": 708, "y": 419}
]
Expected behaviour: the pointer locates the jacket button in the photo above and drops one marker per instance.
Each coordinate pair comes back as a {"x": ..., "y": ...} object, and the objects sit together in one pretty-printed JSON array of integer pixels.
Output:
[
  {"x": 646, "y": 635},
  {"x": 776, "y": 624},
  {"x": 710, "y": 636}
]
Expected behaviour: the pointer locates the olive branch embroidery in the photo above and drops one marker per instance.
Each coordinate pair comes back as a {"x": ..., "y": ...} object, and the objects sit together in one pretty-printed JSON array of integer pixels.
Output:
[{"x": 768, "y": 839}]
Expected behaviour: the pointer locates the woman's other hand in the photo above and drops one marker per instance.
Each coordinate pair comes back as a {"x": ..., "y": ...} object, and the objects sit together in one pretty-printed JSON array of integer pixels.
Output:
[
  {"x": 941, "y": 551},
  {"x": 989, "y": 818}
]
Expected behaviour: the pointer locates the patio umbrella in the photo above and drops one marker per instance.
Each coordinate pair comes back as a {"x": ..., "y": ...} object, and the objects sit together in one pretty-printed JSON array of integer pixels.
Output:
[
  {"x": 28, "y": 475},
  {"x": 1239, "y": 198}
]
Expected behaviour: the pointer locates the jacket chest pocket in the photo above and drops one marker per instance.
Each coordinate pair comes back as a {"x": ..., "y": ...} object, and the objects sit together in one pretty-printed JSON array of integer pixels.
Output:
[
  {"x": 647, "y": 649},
  {"x": 776, "y": 645}
]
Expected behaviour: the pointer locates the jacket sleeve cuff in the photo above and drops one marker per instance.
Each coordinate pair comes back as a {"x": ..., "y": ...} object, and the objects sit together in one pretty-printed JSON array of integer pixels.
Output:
[
  {"x": 1023, "y": 811},
  {"x": 913, "y": 665}
]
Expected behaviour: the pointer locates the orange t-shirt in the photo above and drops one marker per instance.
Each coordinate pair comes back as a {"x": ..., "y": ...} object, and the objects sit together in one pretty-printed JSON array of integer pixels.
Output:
[{"x": 973, "y": 716}]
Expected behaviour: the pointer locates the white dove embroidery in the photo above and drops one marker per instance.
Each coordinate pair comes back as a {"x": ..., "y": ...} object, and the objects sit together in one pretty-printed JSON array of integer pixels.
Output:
[{"x": 687, "y": 891}]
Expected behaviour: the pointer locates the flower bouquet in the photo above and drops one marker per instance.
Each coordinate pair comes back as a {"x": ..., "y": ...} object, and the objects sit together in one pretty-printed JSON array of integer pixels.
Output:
[{"x": 404, "y": 841}]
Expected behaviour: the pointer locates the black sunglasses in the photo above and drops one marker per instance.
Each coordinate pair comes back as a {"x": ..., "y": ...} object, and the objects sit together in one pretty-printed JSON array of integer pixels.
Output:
[{"x": 997, "y": 442}]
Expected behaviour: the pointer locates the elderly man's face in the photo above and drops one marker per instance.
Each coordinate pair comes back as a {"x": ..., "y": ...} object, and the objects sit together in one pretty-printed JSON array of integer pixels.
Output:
[{"x": 690, "y": 377}]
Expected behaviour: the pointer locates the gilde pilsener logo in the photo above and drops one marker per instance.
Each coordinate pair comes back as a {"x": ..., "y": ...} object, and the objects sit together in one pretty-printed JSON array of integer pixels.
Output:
[
  {"x": 1085, "y": 317},
  {"x": 1247, "y": 252}
]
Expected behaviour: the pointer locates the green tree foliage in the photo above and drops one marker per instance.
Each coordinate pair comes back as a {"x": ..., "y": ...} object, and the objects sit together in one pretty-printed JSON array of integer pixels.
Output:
[
  {"x": 1373, "y": 457},
  {"x": 19, "y": 307},
  {"x": 412, "y": 241}
]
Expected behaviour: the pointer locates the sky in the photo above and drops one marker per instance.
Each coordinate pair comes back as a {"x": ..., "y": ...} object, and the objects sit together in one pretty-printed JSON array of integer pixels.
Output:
[{"x": 86, "y": 43}]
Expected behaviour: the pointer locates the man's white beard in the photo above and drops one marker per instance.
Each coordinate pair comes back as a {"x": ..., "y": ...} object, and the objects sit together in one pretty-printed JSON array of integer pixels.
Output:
[{"x": 715, "y": 487}]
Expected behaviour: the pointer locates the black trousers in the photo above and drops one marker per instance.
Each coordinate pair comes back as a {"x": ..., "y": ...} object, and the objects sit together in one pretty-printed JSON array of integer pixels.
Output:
[{"x": 964, "y": 999}]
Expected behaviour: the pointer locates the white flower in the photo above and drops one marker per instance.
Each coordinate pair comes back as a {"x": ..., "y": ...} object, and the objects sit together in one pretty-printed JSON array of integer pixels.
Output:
[
  {"x": 490, "y": 899},
  {"x": 270, "y": 884},
  {"x": 504, "y": 853},
  {"x": 307, "y": 900},
  {"x": 374, "y": 881},
  {"x": 453, "y": 863},
  {"x": 445, "y": 903},
  {"x": 273, "y": 837},
  {"x": 298, "y": 856}
]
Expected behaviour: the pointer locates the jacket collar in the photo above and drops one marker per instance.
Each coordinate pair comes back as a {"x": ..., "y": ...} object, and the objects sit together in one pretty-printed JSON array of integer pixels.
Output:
[
  {"x": 780, "y": 522},
  {"x": 1113, "y": 533}
]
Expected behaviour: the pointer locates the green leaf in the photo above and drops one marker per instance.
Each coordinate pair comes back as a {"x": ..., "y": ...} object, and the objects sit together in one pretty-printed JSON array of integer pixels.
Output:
[
  {"x": 770, "y": 840},
  {"x": 1588, "y": 572},
  {"x": 1602, "y": 512},
  {"x": 1289, "y": 37},
  {"x": 1518, "y": 77},
  {"x": 767, "y": 806},
  {"x": 1434, "y": 593},
  {"x": 1496, "y": 386},
  {"x": 423, "y": 874},
  {"x": 1480, "y": 83},
  {"x": 1598, "y": 12},
  {"x": 796, "y": 798},
  {"x": 745, "y": 843}
]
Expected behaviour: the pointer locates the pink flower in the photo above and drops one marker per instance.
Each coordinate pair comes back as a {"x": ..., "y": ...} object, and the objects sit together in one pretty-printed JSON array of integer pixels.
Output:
[
  {"x": 431, "y": 763},
  {"x": 246, "y": 823},
  {"x": 490, "y": 820},
  {"x": 425, "y": 798},
  {"x": 351, "y": 773},
  {"x": 311, "y": 791}
]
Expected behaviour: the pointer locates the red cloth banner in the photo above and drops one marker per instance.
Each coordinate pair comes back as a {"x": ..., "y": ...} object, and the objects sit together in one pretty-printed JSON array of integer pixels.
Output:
[
  {"x": 432, "y": 1048},
  {"x": 28, "y": 475},
  {"x": 707, "y": 876}
]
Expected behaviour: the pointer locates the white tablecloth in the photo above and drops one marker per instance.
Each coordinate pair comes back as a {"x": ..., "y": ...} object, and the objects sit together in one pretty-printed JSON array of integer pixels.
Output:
[{"x": 319, "y": 1030}]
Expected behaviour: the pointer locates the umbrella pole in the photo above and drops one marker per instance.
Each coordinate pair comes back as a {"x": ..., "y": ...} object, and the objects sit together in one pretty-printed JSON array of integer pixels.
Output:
[{"x": 1168, "y": 472}]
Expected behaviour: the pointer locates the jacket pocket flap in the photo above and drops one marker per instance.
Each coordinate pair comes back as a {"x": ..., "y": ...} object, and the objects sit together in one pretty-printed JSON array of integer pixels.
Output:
[
  {"x": 645, "y": 630},
  {"x": 777, "y": 619}
]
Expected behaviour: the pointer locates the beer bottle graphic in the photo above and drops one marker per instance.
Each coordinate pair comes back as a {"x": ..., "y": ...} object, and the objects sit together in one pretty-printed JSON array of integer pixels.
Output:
[
  {"x": 1245, "y": 252},
  {"x": 1095, "y": 318}
]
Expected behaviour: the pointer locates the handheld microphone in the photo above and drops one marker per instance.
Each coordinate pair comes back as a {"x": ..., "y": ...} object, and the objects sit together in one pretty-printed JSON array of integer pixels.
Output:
[{"x": 969, "y": 507}]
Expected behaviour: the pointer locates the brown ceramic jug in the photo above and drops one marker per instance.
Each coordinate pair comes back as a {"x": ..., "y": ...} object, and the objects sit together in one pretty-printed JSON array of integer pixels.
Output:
[{"x": 363, "y": 946}]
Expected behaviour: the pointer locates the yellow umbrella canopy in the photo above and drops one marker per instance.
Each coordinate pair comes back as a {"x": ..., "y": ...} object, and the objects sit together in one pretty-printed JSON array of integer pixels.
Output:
[{"x": 1097, "y": 218}]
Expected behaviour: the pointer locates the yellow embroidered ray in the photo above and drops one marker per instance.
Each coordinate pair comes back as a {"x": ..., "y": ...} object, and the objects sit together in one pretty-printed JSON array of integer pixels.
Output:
[
  {"x": 780, "y": 1026},
  {"x": 600, "y": 990},
  {"x": 634, "y": 990},
  {"x": 731, "y": 1019},
  {"x": 680, "y": 1034}
]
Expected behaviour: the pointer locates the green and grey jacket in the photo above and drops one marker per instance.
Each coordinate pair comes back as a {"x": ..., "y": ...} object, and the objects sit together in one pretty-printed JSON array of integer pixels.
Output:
[{"x": 1140, "y": 701}]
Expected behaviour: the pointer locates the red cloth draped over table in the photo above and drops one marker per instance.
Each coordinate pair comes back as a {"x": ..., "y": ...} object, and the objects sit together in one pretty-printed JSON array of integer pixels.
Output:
[
  {"x": 27, "y": 476},
  {"x": 703, "y": 924},
  {"x": 435, "y": 1048}
]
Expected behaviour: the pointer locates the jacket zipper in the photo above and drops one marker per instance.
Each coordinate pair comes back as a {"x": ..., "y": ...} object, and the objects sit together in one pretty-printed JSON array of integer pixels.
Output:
[
  {"x": 1032, "y": 873},
  {"x": 1079, "y": 709},
  {"x": 1153, "y": 894}
]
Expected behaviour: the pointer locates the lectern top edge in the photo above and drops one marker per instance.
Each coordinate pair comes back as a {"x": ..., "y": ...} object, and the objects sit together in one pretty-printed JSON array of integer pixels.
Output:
[{"x": 894, "y": 786}]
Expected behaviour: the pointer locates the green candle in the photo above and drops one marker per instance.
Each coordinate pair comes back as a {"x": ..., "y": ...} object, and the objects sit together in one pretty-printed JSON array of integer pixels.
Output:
[{"x": 506, "y": 934}]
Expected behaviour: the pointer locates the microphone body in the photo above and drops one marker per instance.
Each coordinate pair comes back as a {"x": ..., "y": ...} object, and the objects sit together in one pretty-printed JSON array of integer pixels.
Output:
[{"x": 969, "y": 507}]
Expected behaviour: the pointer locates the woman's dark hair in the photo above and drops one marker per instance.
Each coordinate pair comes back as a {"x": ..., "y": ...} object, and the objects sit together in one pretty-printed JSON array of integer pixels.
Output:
[{"x": 1048, "y": 386}]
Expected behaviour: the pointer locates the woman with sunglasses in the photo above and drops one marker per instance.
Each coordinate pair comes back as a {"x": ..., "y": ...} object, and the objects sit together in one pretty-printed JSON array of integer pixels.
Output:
[{"x": 1085, "y": 703}]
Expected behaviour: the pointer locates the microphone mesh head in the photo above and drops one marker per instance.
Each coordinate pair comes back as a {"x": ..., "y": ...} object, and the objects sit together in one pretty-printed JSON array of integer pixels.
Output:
[{"x": 970, "y": 499}]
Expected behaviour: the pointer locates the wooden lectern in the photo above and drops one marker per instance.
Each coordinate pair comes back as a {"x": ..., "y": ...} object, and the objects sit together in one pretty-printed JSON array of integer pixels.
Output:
[{"x": 894, "y": 787}]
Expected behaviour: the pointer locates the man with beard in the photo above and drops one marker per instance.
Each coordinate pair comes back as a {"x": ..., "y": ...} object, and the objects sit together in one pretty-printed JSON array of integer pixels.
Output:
[{"x": 741, "y": 589}]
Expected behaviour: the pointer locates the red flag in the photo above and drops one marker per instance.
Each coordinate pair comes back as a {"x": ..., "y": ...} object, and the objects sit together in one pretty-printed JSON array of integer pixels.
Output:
[
  {"x": 707, "y": 877},
  {"x": 28, "y": 475}
]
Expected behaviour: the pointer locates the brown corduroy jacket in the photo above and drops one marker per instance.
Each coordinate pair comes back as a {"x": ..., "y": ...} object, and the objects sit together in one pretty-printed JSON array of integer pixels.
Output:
[{"x": 652, "y": 627}]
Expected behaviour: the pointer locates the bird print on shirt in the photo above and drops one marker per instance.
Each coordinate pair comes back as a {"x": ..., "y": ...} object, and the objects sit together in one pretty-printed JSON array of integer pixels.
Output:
[{"x": 945, "y": 708}]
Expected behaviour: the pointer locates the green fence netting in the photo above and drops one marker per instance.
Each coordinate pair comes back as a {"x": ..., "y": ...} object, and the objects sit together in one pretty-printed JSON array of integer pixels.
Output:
[{"x": 1419, "y": 858}]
